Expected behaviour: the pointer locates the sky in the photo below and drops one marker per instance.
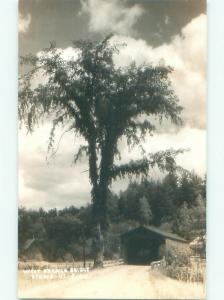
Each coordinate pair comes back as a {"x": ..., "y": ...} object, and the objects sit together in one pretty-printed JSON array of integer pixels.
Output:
[{"x": 172, "y": 30}]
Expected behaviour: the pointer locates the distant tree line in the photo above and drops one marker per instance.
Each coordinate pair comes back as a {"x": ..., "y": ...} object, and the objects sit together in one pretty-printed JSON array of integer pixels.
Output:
[{"x": 176, "y": 203}]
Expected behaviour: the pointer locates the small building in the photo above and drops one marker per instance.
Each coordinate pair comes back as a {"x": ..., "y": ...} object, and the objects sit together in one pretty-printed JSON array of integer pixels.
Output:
[{"x": 144, "y": 244}]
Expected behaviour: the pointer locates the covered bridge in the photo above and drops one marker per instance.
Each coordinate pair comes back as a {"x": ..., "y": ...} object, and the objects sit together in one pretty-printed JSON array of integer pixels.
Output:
[{"x": 144, "y": 244}]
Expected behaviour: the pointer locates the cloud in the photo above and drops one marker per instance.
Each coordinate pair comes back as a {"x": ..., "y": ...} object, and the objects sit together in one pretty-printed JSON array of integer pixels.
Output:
[
  {"x": 24, "y": 23},
  {"x": 106, "y": 16},
  {"x": 187, "y": 55},
  {"x": 187, "y": 138},
  {"x": 58, "y": 183}
]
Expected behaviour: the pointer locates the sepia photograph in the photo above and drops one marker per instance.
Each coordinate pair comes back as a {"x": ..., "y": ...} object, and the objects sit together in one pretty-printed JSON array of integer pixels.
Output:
[{"x": 112, "y": 149}]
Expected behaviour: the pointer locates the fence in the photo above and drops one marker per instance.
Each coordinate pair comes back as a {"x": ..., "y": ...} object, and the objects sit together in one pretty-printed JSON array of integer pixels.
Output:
[
  {"x": 31, "y": 265},
  {"x": 159, "y": 264},
  {"x": 110, "y": 263}
]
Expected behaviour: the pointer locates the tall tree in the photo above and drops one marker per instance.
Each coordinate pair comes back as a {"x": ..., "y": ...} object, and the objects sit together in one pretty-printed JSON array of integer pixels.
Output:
[
  {"x": 145, "y": 213},
  {"x": 101, "y": 102},
  {"x": 169, "y": 196}
]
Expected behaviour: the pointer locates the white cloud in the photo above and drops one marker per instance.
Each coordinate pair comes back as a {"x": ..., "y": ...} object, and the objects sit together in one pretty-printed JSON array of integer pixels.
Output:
[
  {"x": 24, "y": 23},
  {"x": 106, "y": 16},
  {"x": 54, "y": 184},
  {"x": 187, "y": 55},
  {"x": 187, "y": 138}
]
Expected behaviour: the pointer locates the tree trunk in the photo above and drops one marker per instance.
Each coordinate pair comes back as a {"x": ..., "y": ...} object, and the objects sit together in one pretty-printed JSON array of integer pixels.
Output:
[
  {"x": 98, "y": 247},
  {"x": 100, "y": 182},
  {"x": 84, "y": 254}
]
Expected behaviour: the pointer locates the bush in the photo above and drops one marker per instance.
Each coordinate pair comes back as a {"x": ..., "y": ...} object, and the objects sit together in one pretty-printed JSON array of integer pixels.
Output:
[
  {"x": 185, "y": 272},
  {"x": 178, "y": 254}
]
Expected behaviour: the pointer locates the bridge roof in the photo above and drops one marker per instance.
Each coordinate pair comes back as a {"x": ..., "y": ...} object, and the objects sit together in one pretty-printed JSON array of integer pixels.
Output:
[{"x": 144, "y": 228}]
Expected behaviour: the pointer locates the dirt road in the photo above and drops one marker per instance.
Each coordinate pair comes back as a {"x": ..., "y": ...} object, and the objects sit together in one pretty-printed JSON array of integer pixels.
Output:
[{"x": 123, "y": 281}]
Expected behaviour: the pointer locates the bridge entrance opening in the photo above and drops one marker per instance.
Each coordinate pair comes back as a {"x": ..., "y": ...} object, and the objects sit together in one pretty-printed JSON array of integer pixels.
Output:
[
  {"x": 142, "y": 246},
  {"x": 141, "y": 251}
]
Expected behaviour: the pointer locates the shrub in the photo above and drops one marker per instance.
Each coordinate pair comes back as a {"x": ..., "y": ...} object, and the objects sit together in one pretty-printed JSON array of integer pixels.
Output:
[{"x": 185, "y": 273}]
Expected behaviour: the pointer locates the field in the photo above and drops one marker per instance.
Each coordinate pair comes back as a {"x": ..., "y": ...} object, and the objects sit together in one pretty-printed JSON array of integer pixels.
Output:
[{"x": 120, "y": 281}]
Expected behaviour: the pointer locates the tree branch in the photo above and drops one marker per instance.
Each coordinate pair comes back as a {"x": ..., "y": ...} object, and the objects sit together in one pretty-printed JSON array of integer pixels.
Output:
[{"x": 164, "y": 160}]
